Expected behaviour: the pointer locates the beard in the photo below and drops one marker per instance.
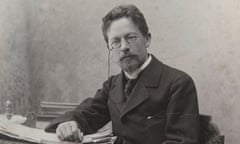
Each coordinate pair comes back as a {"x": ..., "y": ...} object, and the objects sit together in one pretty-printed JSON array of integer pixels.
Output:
[{"x": 130, "y": 64}]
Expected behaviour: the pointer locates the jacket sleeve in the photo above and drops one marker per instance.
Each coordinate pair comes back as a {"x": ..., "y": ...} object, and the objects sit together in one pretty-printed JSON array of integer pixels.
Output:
[
  {"x": 182, "y": 122},
  {"x": 90, "y": 115}
]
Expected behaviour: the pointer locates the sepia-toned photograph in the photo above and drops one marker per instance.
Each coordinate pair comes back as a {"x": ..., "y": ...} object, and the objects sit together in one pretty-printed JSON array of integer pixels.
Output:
[{"x": 119, "y": 72}]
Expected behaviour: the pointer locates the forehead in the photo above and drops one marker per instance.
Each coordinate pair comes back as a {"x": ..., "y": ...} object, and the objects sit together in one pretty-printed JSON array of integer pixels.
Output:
[{"x": 121, "y": 27}]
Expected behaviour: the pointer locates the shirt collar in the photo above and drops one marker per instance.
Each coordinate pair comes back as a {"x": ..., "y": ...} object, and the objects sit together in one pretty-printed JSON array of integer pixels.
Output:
[{"x": 135, "y": 74}]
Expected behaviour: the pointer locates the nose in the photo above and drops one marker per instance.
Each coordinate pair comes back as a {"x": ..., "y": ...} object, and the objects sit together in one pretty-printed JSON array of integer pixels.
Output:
[{"x": 124, "y": 45}]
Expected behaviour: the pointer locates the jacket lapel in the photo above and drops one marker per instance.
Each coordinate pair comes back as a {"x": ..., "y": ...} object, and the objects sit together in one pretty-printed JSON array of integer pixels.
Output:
[
  {"x": 139, "y": 94},
  {"x": 116, "y": 93},
  {"x": 149, "y": 78}
]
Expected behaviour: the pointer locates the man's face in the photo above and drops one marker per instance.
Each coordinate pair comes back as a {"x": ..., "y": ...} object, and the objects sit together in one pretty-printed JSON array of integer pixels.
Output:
[{"x": 128, "y": 44}]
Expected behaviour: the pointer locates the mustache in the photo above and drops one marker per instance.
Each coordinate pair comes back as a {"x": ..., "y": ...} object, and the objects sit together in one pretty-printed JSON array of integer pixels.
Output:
[{"x": 126, "y": 56}]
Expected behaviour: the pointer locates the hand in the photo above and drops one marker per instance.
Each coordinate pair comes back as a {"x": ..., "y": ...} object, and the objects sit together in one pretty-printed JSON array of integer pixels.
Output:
[{"x": 69, "y": 131}]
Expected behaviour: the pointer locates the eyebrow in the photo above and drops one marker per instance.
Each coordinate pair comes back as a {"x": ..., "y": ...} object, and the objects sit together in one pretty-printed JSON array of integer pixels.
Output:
[{"x": 130, "y": 33}]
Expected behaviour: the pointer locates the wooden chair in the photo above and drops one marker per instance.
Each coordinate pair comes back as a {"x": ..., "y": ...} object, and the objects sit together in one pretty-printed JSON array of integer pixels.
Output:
[
  {"x": 209, "y": 132},
  {"x": 50, "y": 110}
]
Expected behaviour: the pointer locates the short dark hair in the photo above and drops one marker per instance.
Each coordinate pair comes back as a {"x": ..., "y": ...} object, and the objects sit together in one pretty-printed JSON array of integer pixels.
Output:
[{"x": 128, "y": 11}]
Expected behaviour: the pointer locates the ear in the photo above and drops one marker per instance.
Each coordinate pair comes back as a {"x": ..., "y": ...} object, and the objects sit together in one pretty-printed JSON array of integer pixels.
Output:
[{"x": 148, "y": 40}]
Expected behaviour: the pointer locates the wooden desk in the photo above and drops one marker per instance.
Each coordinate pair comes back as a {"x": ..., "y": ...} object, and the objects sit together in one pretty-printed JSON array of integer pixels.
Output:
[
  {"x": 7, "y": 140},
  {"x": 11, "y": 142},
  {"x": 4, "y": 141}
]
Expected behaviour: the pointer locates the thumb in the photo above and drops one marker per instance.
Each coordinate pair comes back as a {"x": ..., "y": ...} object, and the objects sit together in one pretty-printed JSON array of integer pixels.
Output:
[{"x": 78, "y": 135}]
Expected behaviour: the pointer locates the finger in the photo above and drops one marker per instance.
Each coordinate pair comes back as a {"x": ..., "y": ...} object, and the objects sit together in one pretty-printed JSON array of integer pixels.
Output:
[
  {"x": 59, "y": 133},
  {"x": 70, "y": 138},
  {"x": 74, "y": 126},
  {"x": 75, "y": 131},
  {"x": 66, "y": 130},
  {"x": 68, "y": 133},
  {"x": 78, "y": 136},
  {"x": 62, "y": 131}
]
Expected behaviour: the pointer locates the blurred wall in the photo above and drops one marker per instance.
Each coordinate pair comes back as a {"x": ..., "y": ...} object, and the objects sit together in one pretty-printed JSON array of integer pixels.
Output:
[
  {"x": 14, "y": 72},
  {"x": 64, "y": 57}
]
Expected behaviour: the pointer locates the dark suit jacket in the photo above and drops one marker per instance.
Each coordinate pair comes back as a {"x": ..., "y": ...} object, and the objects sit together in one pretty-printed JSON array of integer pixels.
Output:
[{"x": 162, "y": 108}]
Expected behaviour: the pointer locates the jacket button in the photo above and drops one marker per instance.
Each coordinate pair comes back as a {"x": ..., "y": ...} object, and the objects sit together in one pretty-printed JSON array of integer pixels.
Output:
[{"x": 149, "y": 117}]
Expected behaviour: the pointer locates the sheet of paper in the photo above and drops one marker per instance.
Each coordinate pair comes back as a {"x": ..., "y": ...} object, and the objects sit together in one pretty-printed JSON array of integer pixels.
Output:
[
  {"x": 26, "y": 133},
  {"x": 35, "y": 135}
]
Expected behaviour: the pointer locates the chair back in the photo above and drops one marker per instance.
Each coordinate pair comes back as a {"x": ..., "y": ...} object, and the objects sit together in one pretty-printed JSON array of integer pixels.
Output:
[{"x": 209, "y": 132}]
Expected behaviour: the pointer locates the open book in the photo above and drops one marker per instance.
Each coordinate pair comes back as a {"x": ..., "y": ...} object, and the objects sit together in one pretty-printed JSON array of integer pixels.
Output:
[{"x": 39, "y": 136}]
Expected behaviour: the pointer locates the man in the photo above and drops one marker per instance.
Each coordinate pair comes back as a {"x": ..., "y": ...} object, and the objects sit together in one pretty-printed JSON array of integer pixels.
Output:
[{"x": 161, "y": 105}]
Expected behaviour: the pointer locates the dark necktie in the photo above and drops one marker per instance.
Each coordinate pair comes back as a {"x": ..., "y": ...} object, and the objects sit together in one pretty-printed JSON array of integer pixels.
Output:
[{"x": 128, "y": 87}]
